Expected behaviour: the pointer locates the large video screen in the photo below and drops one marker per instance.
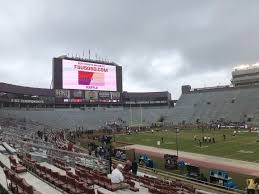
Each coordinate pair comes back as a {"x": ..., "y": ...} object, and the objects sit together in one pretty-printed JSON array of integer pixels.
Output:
[{"x": 88, "y": 76}]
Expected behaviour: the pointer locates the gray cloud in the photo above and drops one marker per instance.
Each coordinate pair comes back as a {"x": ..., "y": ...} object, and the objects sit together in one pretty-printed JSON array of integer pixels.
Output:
[{"x": 190, "y": 39}]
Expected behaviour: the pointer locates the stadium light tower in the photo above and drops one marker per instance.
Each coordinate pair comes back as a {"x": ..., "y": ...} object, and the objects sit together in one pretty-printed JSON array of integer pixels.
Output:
[
  {"x": 140, "y": 125},
  {"x": 141, "y": 116},
  {"x": 176, "y": 136},
  {"x": 130, "y": 115}
]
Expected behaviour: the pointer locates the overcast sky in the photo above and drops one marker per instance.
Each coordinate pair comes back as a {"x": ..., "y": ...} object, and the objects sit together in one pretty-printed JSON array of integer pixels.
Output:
[{"x": 160, "y": 44}]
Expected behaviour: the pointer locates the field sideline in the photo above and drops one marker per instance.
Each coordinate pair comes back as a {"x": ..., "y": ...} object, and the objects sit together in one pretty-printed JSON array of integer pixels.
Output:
[{"x": 243, "y": 146}]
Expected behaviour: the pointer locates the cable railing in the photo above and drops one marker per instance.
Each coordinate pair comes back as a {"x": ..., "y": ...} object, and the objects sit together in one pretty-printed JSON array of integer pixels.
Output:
[{"x": 199, "y": 183}]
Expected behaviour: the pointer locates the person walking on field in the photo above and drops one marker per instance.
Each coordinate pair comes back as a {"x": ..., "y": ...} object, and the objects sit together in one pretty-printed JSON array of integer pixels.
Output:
[{"x": 162, "y": 139}]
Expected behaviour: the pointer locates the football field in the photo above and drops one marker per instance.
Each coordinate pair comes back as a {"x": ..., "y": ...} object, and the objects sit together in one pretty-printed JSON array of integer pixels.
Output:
[{"x": 242, "y": 146}]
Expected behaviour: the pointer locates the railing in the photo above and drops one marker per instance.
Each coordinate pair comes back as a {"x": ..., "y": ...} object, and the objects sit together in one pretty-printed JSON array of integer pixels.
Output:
[
  {"x": 200, "y": 184},
  {"x": 70, "y": 158}
]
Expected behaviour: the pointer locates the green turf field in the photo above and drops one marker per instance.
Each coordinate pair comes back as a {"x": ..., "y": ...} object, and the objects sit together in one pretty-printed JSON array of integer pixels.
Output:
[{"x": 243, "y": 146}]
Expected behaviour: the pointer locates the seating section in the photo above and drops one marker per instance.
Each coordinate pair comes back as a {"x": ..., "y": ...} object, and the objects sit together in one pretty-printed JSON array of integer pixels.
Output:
[
  {"x": 17, "y": 184},
  {"x": 70, "y": 182},
  {"x": 89, "y": 119},
  {"x": 84, "y": 178},
  {"x": 230, "y": 103},
  {"x": 60, "y": 164},
  {"x": 234, "y": 104},
  {"x": 94, "y": 177},
  {"x": 158, "y": 186},
  {"x": 16, "y": 167}
]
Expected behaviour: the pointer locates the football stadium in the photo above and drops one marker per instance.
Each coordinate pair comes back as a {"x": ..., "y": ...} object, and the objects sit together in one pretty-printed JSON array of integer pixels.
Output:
[{"x": 87, "y": 135}]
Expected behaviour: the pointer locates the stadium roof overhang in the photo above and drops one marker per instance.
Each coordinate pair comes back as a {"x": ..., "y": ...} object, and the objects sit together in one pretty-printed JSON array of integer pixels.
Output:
[{"x": 14, "y": 89}]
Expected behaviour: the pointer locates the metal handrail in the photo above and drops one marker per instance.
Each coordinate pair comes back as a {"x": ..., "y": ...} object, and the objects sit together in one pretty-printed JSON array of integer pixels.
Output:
[{"x": 186, "y": 179}]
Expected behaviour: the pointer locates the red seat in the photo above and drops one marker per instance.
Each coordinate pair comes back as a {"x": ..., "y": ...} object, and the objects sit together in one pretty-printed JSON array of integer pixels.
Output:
[
  {"x": 18, "y": 184},
  {"x": 9, "y": 176},
  {"x": 83, "y": 186},
  {"x": 80, "y": 187},
  {"x": 71, "y": 185},
  {"x": 132, "y": 186},
  {"x": 18, "y": 168},
  {"x": 42, "y": 171},
  {"x": 37, "y": 168},
  {"x": 90, "y": 190},
  {"x": 90, "y": 179},
  {"x": 65, "y": 186},
  {"x": 72, "y": 175},
  {"x": 54, "y": 177},
  {"x": 48, "y": 174},
  {"x": 103, "y": 180},
  {"x": 26, "y": 188},
  {"x": 61, "y": 180},
  {"x": 100, "y": 192},
  {"x": 78, "y": 173}
]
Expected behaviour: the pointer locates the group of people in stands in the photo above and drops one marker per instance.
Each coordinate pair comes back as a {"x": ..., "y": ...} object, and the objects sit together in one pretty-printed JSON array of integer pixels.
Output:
[
  {"x": 219, "y": 123},
  {"x": 120, "y": 155},
  {"x": 102, "y": 152}
]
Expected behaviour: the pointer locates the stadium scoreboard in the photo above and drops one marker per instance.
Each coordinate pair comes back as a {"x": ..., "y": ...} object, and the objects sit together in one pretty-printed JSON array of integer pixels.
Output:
[
  {"x": 86, "y": 80},
  {"x": 86, "y": 75}
]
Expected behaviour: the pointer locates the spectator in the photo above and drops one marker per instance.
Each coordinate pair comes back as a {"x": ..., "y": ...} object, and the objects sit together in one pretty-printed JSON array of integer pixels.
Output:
[
  {"x": 150, "y": 163},
  {"x": 123, "y": 156},
  {"x": 134, "y": 167},
  {"x": 113, "y": 166},
  {"x": 118, "y": 154},
  {"x": 127, "y": 166},
  {"x": 140, "y": 159},
  {"x": 96, "y": 152},
  {"x": 251, "y": 186},
  {"x": 117, "y": 178}
]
